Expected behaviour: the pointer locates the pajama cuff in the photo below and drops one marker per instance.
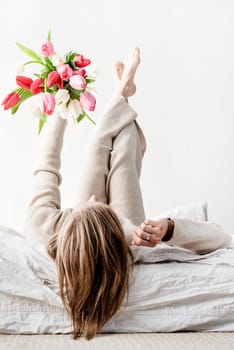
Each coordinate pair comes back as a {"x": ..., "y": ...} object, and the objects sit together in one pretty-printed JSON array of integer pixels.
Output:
[{"x": 170, "y": 230}]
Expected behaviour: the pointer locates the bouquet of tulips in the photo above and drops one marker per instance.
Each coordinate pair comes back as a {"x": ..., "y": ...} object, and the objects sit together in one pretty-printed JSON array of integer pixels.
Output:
[{"x": 63, "y": 84}]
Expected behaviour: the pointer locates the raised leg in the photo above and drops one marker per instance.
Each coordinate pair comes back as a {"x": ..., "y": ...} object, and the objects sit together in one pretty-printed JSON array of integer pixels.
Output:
[
  {"x": 122, "y": 185},
  {"x": 117, "y": 116},
  {"x": 113, "y": 162}
]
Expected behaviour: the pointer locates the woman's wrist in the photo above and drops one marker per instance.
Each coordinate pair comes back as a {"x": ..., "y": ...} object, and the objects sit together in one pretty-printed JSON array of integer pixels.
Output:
[{"x": 170, "y": 230}]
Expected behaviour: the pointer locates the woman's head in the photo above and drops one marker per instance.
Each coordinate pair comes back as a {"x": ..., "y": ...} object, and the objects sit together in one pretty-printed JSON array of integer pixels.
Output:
[{"x": 92, "y": 258}]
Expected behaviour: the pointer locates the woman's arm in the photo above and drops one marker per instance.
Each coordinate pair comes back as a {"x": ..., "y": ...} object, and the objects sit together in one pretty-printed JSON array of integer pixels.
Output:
[
  {"x": 44, "y": 215},
  {"x": 199, "y": 236}
]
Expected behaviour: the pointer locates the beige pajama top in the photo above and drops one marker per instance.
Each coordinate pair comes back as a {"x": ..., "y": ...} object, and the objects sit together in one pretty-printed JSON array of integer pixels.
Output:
[{"x": 45, "y": 216}]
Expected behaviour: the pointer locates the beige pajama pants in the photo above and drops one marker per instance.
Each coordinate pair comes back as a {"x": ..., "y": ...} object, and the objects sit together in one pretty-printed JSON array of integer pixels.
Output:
[{"x": 113, "y": 162}]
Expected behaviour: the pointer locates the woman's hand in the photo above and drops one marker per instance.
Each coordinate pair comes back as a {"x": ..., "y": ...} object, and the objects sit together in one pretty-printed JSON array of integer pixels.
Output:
[{"x": 150, "y": 233}]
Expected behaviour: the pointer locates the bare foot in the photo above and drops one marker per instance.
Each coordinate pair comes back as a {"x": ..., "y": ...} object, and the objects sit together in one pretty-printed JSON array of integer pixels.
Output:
[
  {"x": 118, "y": 72},
  {"x": 127, "y": 87}
]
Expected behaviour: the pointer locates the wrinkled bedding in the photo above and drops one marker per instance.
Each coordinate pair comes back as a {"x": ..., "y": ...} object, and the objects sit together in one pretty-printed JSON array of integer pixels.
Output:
[{"x": 174, "y": 289}]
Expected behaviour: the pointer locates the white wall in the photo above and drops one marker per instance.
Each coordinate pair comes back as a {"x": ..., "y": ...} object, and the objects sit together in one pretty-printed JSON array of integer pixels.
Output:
[{"x": 184, "y": 100}]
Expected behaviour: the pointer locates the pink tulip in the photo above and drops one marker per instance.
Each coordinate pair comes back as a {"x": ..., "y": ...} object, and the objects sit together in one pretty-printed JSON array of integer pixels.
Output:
[
  {"x": 87, "y": 101},
  {"x": 48, "y": 103},
  {"x": 77, "y": 82},
  {"x": 47, "y": 49},
  {"x": 65, "y": 71},
  {"x": 80, "y": 71}
]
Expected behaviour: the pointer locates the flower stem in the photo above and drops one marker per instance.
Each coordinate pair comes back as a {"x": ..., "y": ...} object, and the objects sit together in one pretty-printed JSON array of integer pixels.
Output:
[
  {"x": 45, "y": 85},
  {"x": 92, "y": 121}
]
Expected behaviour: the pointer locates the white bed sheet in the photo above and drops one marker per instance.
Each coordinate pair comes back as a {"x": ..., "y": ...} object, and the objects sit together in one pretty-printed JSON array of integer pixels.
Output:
[{"x": 182, "y": 291}]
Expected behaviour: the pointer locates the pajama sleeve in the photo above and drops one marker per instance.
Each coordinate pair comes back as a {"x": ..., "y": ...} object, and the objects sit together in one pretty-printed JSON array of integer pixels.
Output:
[
  {"x": 44, "y": 214},
  {"x": 199, "y": 236}
]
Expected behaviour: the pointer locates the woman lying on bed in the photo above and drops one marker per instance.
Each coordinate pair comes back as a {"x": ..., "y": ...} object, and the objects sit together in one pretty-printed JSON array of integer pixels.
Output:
[{"x": 91, "y": 243}]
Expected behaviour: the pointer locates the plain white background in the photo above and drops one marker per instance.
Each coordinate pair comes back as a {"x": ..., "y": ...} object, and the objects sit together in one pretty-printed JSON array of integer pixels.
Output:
[{"x": 184, "y": 98}]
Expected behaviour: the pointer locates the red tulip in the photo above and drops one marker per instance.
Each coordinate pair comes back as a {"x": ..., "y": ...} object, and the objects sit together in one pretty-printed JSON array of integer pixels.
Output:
[
  {"x": 81, "y": 61},
  {"x": 53, "y": 78},
  {"x": 60, "y": 84},
  {"x": 24, "y": 82},
  {"x": 10, "y": 100},
  {"x": 36, "y": 87}
]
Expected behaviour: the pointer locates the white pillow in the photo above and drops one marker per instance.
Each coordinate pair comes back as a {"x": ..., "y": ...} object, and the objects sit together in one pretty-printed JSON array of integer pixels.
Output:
[{"x": 194, "y": 211}]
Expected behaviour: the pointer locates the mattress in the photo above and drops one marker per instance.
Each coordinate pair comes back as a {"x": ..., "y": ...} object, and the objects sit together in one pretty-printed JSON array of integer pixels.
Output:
[
  {"x": 133, "y": 341},
  {"x": 173, "y": 289}
]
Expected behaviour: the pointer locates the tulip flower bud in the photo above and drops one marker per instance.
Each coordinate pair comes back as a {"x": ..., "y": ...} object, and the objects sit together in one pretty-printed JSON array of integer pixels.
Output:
[
  {"x": 53, "y": 78},
  {"x": 63, "y": 111},
  {"x": 17, "y": 69},
  {"x": 24, "y": 82},
  {"x": 62, "y": 96},
  {"x": 47, "y": 49},
  {"x": 87, "y": 101},
  {"x": 48, "y": 103},
  {"x": 36, "y": 87},
  {"x": 65, "y": 71},
  {"x": 10, "y": 100},
  {"x": 81, "y": 61},
  {"x": 74, "y": 108},
  {"x": 77, "y": 82},
  {"x": 57, "y": 60},
  {"x": 91, "y": 71},
  {"x": 36, "y": 112},
  {"x": 80, "y": 71}
]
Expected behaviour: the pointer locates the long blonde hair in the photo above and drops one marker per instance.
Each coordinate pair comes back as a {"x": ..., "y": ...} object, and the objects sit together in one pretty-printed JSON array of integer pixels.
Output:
[{"x": 93, "y": 261}]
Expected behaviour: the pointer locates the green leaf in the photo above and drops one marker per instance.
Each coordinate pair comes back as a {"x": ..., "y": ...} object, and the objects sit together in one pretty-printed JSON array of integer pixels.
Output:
[
  {"x": 72, "y": 65},
  {"x": 40, "y": 126},
  {"x": 37, "y": 75},
  {"x": 80, "y": 117},
  {"x": 24, "y": 95},
  {"x": 15, "y": 108},
  {"x": 69, "y": 59},
  {"x": 30, "y": 53},
  {"x": 42, "y": 121},
  {"x": 45, "y": 72},
  {"x": 89, "y": 80},
  {"x": 53, "y": 89},
  {"x": 29, "y": 62},
  {"x": 89, "y": 118},
  {"x": 49, "y": 64},
  {"x": 49, "y": 35},
  {"x": 70, "y": 56},
  {"x": 74, "y": 94}
]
